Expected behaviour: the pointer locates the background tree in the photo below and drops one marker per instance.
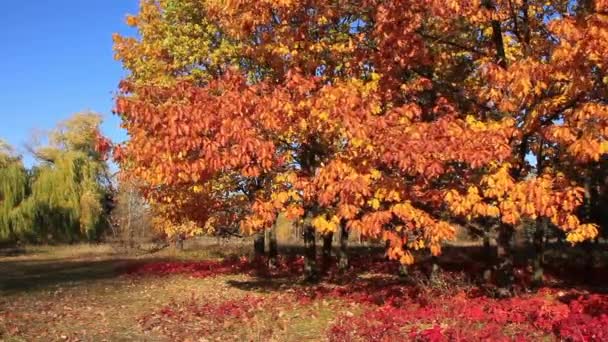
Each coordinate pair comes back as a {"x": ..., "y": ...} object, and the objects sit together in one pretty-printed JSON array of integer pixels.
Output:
[
  {"x": 528, "y": 62},
  {"x": 69, "y": 187},
  {"x": 66, "y": 196},
  {"x": 14, "y": 189},
  {"x": 131, "y": 216}
]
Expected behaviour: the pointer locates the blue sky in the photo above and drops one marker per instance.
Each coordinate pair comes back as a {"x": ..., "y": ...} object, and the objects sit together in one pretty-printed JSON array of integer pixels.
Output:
[{"x": 56, "y": 59}]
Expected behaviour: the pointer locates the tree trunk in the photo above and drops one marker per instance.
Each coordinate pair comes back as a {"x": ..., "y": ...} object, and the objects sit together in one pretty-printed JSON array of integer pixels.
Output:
[
  {"x": 179, "y": 242},
  {"x": 310, "y": 254},
  {"x": 501, "y": 58},
  {"x": 129, "y": 228},
  {"x": 504, "y": 267},
  {"x": 488, "y": 255},
  {"x": 131, "y": 242},
  {"x": 589, "y": 261},
  {"x": 586, "y": 7},
  {"x": 542, "y": 224},
  {"x": 434, "y": 270},
  {"x": 326, "y": 251},
  {"x": 539, "y": 250},
  {"x": 587, "y": 218},
  {"x": 487, "y": 248},
  {"x": 343, "y": 254},
  {"x": 272, "y": 246},
  {"x": 403, "y": 272},
  {"x": 258, "y": 246}
]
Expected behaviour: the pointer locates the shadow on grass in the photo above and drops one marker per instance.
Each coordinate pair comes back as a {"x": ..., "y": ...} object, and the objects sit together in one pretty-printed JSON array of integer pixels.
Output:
[
  {"x": 459, "y": 266},
  {"x": 12, "y": 251},
  {"x": 466, "y": 262},
  {"x": 21, "y": 276}
]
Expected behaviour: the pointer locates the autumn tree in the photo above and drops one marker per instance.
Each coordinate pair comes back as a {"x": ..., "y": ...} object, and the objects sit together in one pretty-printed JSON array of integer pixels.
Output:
[
  {"x": 337, "y": 123},
  {"x": 178, "y": 42},
  {"x": 392, "y": 118},
  {"x": 539, "y": 64}
]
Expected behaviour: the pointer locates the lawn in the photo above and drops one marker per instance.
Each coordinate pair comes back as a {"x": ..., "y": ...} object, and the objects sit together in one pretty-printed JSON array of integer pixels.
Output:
[
  {"x": 82, "y": 293},
  {"x": 92, "y": 293}
]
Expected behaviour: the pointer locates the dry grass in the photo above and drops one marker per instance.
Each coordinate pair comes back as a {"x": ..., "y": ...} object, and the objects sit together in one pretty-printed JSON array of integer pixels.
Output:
[
  {"x": 81, "y": 293},
  {"x": 54, "y": 252},
  {"x": 77, "y": 293}
]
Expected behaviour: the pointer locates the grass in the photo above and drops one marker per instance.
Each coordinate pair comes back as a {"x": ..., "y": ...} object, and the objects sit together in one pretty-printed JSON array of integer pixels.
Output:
[
  {"x": 76, "y": 293},
  {"x": 82, "y": 293}
]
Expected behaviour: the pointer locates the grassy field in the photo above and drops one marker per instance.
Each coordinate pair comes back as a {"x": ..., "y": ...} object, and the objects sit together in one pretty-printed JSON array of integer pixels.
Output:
[
  {"x": 94, "y": 293},
  {"x": 79, "y": 293}
]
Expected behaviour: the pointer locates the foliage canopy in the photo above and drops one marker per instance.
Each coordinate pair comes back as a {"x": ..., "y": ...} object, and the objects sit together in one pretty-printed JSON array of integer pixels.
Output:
[{"x": 397, "y": 118}]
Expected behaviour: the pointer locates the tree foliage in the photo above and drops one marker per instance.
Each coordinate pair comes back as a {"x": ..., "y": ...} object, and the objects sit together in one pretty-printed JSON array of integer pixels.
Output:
[
  {"x": 396, "y": 118},
  {"x": 14, "y": 188},
  {"x": 63, "y": 198}
]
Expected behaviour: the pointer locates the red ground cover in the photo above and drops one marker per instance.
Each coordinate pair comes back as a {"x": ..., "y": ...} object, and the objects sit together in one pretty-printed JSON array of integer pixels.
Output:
[
  {"x": 464, "y": 318},
  {"x": 195, "y": 318},
  {"x": 395, "y": 311},
  {"x": 198, "y": 269}
]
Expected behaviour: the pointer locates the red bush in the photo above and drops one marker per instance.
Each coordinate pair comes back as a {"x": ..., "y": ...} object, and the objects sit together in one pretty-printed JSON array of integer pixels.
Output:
[
  {"x": 396, "y": 311},
  {"x": 464, "y": 318},
  {"x": 198, "y": 269}
]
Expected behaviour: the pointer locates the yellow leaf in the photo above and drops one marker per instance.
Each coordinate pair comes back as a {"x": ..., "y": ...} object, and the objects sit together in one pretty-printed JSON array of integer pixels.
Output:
[{"x": 374, "y": 203}]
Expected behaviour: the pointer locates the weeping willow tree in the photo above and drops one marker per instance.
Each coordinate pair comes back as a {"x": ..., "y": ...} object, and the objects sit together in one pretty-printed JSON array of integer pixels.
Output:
[
  {"x": 67, "y": 199},
  {"x": 64, "y": 198},
  {"x": 69, "y": 188},
  {"x": 14, "y": 189}
]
